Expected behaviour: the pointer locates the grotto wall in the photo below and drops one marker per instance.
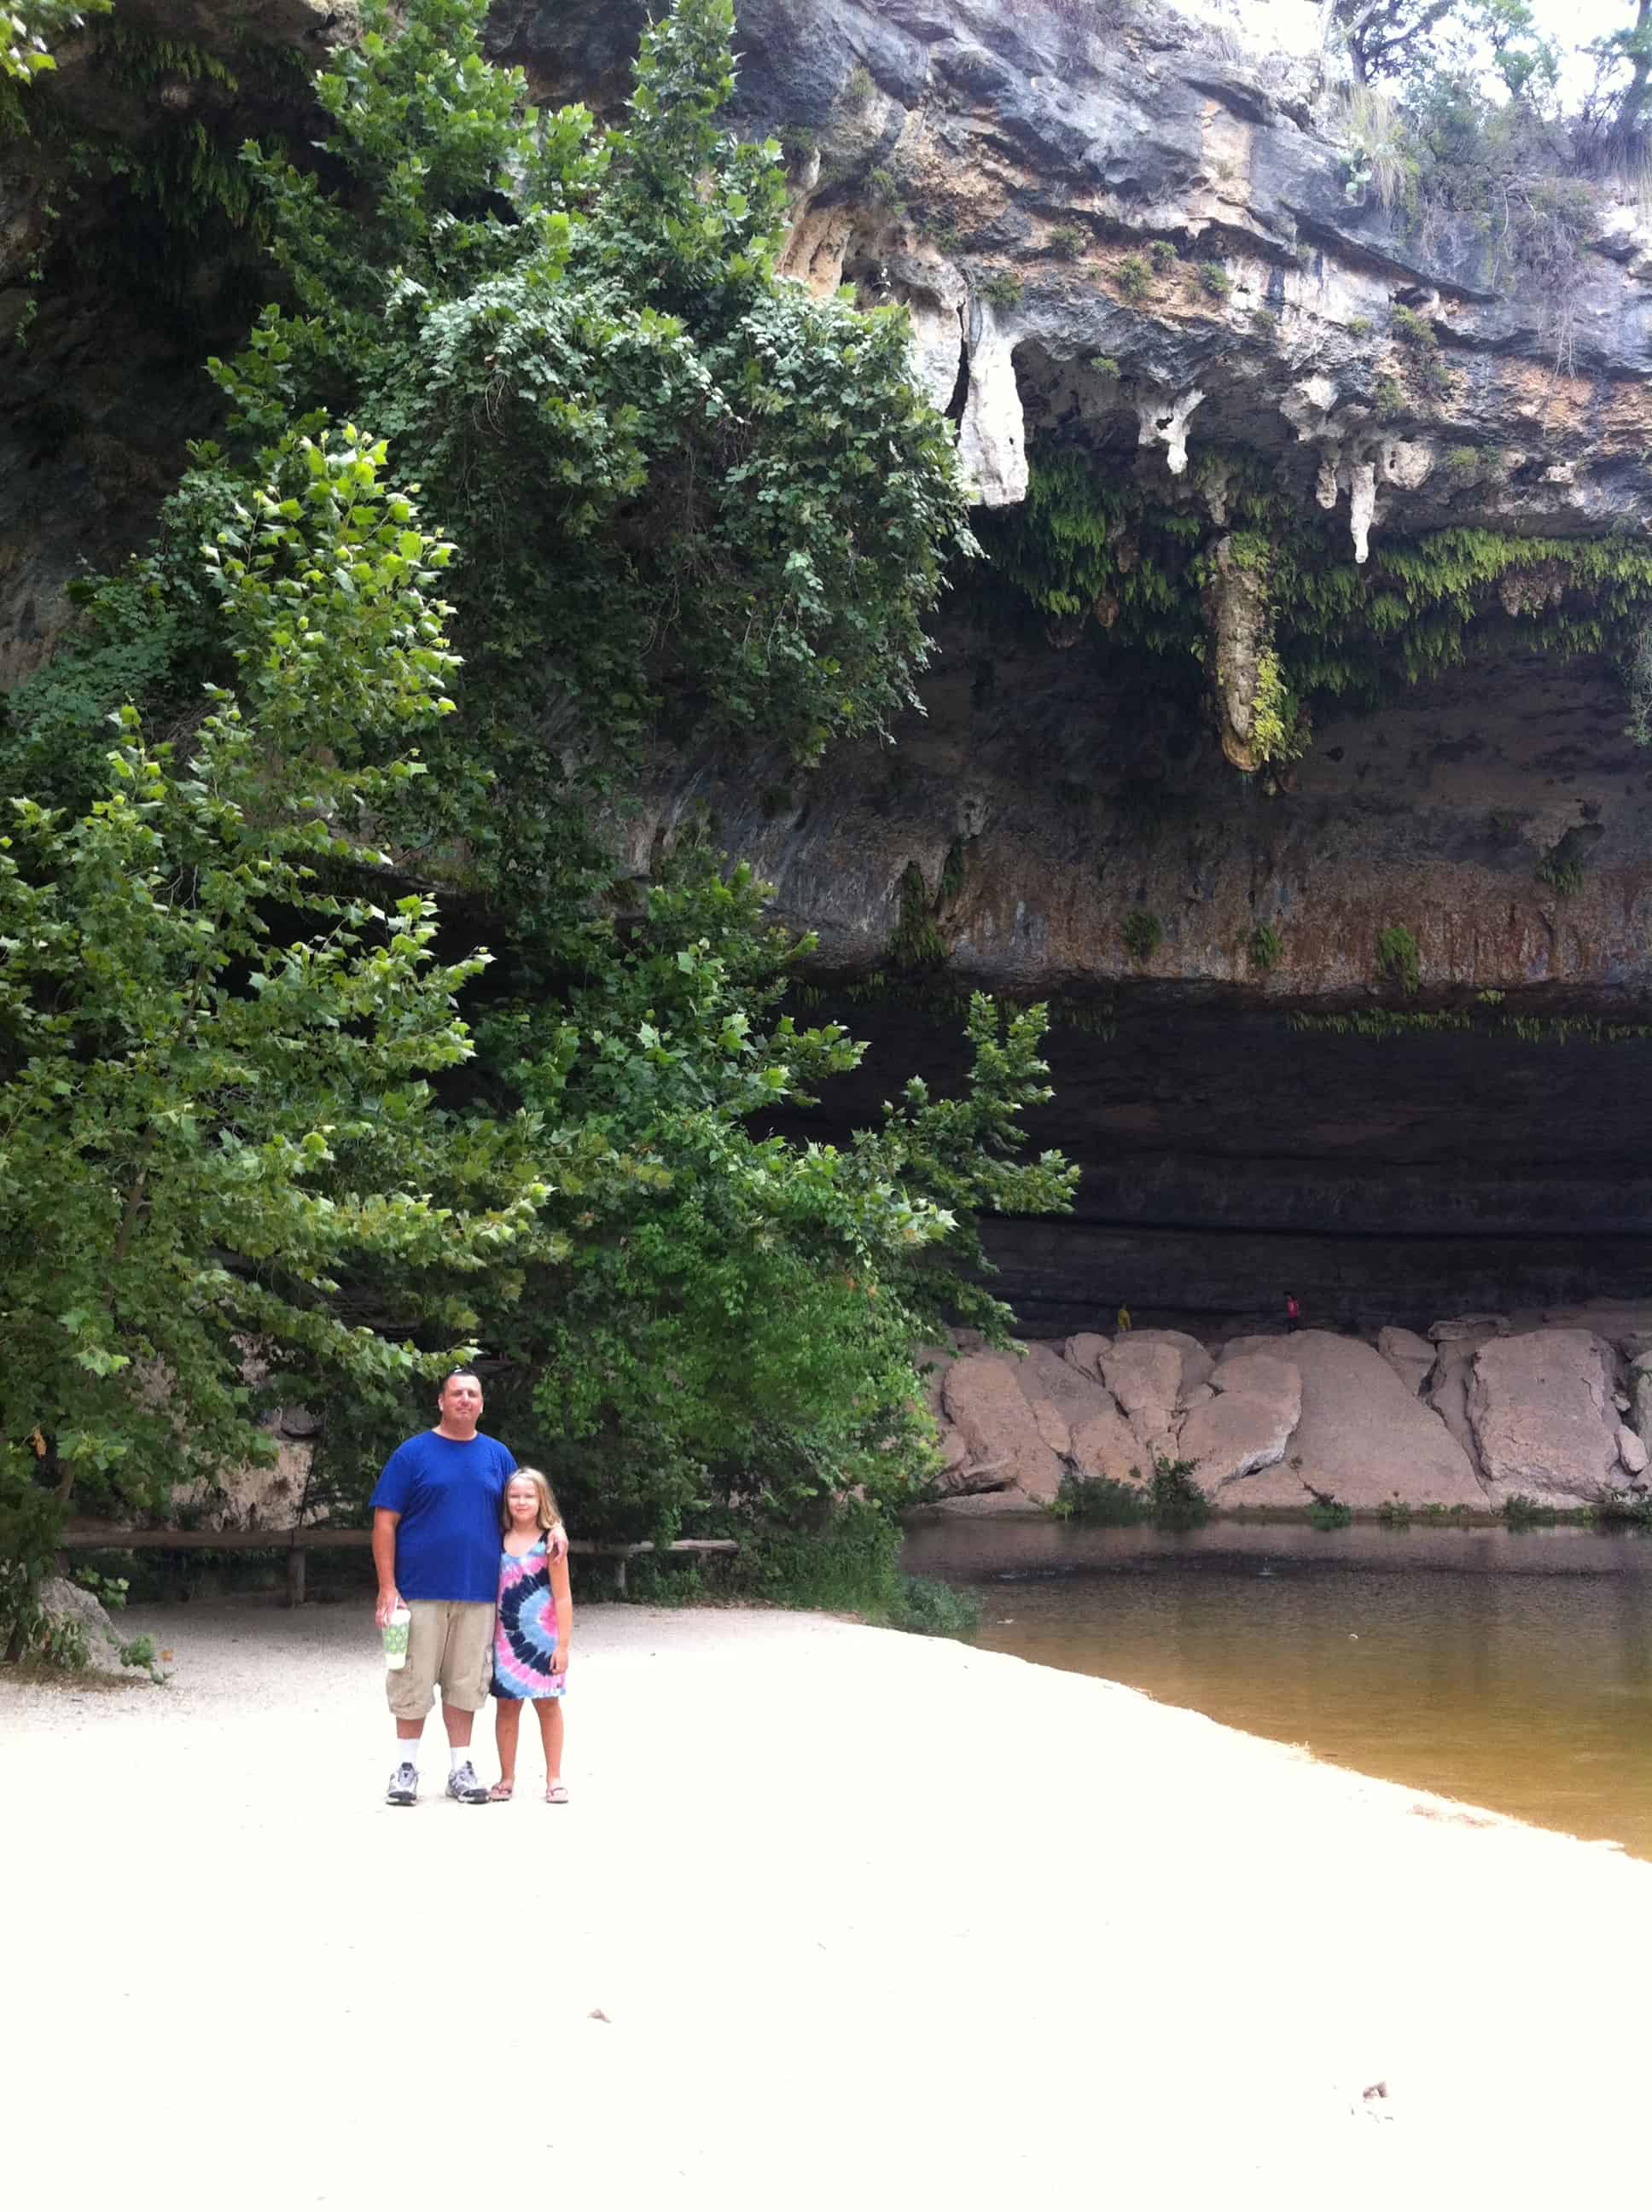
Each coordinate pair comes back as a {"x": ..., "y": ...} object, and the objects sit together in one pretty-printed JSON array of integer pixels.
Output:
[
  {"x": 1130, "y": 235},
  {"x": 1130, "y": 223},
  {"x": 995, "y": 164}
]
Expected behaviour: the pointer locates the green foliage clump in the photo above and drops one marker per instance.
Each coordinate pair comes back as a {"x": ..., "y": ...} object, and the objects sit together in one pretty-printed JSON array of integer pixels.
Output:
[
  {"x": 1143, "y": 935},
  {"x": 1102, "y": 364},
  {"x": 1099, "y": 1502},
  {"x": 1214, "y": 280},
  {"x": 1076, "y": 540},
  {"x": 1637, "y": 684},
  {"x": 1134, "y": 278},
  {"x": 924, "y": 1607},
  {"x": 1623, "y": 1508},
  {"x": 1278, "y": 728},
  {"x": 1393, "y": 1513},
  {"x": 916, "y": 943},
  {"x": 1002, "y": 289},
  {"x": 1380, "y": 160},
  {"x": 1066, "y": 242},
  {"x": 1267, "y": 947},
  {"x": 1083, "y": 541},
  {"x": 1171, "y": 1498},
  {"x": 1388, "y": 395},
  {"x": 1165, "y": 256},
  {"x": 1424, "y": 364},
  {"x": 1380, "y": 1022},
  {"x": 612, "y": 390},
  {"x": 29, "y": 28},
  {"x": 850, "y": 1563},
  {"x": 885, "y": 194},
  {"x": 1174, "y": 1499},
  {"x": 1359, "y": 326},
  {"x": 178, "y": 213},
  {"x": 1562, "y": 866},
  {"x": 1398, "y": 958},
  {"x": 860, "y": 90},
  {"x": 1520, "y": 1511},
  {"x": 1327, "y": 1513}
]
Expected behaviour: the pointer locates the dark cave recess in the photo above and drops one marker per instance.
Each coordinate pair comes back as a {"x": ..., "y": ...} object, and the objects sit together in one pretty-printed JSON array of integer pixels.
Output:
[{"x": 1229, "y": 1156}]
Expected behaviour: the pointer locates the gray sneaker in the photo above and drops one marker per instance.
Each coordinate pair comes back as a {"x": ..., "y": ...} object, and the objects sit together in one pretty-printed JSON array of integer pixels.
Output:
[
  {"x": 462, "y": 1783},
  {"x": 403, "y": 1784}
]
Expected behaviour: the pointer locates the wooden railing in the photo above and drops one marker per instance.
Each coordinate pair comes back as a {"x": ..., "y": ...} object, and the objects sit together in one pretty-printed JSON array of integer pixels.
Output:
[{"x": 294, "y": 1544}]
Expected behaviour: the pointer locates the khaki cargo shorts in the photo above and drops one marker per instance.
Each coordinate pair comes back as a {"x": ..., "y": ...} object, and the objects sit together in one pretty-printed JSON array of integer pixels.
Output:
[{"x": 448, "y": 1644}]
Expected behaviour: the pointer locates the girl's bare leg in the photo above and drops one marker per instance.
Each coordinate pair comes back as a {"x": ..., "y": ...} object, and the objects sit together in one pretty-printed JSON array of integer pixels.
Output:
[
  {"x": 549, "y": 1711},
  {"x": 508, "y": 1722}
]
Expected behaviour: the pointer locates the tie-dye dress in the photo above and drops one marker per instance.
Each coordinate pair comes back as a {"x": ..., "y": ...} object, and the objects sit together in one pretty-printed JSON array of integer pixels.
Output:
[{"x": 525, "y": 1637}]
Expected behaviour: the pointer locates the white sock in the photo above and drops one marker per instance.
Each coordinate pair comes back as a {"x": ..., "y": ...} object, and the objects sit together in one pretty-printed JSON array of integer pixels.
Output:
[
  {"x": 459, "y": 1754},
  {"x": 407, "y": 1752}
]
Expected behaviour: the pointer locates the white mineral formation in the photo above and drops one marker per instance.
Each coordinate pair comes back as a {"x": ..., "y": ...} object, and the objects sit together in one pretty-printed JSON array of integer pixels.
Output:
[
  {"x": 1361, "y": 506},
  {"x": 992, "y": 436},
  {"x": 1164, "y": 422}
]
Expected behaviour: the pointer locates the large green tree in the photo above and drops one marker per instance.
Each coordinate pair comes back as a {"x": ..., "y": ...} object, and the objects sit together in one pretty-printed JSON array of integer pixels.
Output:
[
  {"x": 693, "y": 505},
  {"x": 698, "y": 504},
  {"x": 214, "y": 1061}
]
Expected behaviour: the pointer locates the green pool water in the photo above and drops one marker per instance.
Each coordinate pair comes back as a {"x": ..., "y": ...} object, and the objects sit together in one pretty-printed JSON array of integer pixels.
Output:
[{"x": 1511, "y": 1670}]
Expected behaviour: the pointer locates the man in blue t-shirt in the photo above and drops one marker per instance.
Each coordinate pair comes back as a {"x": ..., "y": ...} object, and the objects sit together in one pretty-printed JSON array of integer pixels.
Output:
[{"x": 436, "y": 1543}]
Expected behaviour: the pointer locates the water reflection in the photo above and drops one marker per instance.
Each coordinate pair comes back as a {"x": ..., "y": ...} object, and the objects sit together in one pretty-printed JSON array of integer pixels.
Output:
[{"x": 1508, "y": 1669}]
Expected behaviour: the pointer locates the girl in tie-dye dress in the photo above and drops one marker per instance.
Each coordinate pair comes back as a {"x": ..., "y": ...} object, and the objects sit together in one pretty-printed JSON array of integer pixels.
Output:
[{"x": 534, "y": 1631}]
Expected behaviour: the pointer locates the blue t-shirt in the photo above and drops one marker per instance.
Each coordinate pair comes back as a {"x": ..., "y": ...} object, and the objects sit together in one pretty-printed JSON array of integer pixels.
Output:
[{"x": 447, "y": 1493}]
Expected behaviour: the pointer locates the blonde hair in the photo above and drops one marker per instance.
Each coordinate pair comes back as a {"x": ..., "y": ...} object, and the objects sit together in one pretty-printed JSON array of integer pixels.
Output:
[{"x": 549, "y": 1512}]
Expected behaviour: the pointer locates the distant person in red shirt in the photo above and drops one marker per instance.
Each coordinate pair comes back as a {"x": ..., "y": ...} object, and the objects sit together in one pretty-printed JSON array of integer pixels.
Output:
[{"x": 1292, "y": 1313}]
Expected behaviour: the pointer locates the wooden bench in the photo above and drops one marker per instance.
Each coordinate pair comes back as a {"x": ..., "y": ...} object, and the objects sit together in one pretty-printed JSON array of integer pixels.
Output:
[{"x": 294, "y": 1544}]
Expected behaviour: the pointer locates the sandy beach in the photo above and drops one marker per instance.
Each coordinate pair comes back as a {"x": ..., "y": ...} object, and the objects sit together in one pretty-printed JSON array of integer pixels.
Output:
[{"x": 834, "y": 1915}]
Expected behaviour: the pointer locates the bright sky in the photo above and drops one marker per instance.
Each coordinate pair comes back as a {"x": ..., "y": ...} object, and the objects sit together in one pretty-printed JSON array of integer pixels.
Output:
[{"x": 1298, "y": 25}]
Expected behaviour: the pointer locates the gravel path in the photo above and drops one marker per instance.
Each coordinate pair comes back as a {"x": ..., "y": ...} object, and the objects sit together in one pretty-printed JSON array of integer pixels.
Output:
[{"x": 835, "y": 1917}]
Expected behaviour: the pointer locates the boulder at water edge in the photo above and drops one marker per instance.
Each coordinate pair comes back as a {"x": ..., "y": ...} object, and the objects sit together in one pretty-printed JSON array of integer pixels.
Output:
[
  {"x": 1147, "y": 1380},
  {"x": 983, "y": 1400},
  {"x": 1540, "y": 1405},
  {"x": 1254, "y": 1403},
  {"x": 1363, "y": 1438}
]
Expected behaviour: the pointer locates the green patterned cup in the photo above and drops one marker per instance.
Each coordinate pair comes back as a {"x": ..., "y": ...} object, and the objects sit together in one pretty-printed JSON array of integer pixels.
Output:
[{"x": 395, "y": 1630}]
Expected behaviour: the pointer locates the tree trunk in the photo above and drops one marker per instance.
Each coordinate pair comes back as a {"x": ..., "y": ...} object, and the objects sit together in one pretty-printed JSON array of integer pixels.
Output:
[{"x": 1627, "y": 125}]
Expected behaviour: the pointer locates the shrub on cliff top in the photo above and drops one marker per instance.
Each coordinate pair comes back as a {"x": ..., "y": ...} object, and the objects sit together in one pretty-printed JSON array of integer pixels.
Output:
[{"x": 1134, "y": 278}]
